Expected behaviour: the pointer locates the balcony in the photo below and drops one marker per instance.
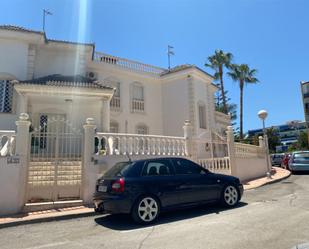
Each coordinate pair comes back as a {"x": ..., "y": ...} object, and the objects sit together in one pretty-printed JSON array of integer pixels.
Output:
[
  {"x": 306, "y": 95},
  {"x": 115, "y": 104},
  {"x": 138, "y": 105},
  {"x": 128, "y": 64}
]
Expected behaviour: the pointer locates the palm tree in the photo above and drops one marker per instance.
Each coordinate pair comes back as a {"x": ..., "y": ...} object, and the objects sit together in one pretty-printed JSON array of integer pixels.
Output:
[
  {"x": 244, "y": 75},
  {"x": 217, "y": 62}
]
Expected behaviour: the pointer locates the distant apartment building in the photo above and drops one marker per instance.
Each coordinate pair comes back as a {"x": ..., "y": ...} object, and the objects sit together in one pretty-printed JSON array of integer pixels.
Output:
[{"x": 287, "y": 133}]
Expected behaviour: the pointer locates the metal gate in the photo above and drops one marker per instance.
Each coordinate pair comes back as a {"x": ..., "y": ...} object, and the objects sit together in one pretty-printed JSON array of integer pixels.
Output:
[{"x": 55, "y": 166}]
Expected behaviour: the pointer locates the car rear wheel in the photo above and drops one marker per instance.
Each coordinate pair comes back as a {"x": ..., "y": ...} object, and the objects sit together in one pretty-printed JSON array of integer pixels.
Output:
[
  {"x": 146, "y": 210},
  {"x": 230, "y": 196}
]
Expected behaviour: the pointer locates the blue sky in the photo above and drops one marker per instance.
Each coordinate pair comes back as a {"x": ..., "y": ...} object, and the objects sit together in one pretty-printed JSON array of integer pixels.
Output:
[{"x": 270, "y": 35}]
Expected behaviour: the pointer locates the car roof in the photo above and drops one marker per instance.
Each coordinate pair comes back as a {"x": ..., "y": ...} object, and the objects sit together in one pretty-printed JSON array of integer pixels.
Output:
[{"x": 156, "y": 158}]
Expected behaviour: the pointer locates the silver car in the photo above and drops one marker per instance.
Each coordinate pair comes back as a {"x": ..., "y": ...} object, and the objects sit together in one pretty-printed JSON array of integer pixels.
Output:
[{"x": 299, "y": 161}]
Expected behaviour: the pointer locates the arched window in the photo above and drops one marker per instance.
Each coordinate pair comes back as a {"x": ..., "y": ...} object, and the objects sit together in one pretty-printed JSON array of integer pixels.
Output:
[
  {"x": 115, "y": 101},
  {"x": 6, "y": 96},
  {"x": 138, "y": 101},
  {"x": 142, "y": 129},
  {"x": 202, "y": 115}
]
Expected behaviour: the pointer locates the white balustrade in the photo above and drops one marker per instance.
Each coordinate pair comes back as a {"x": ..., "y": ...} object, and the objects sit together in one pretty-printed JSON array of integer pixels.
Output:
[
  {"x": 128, "y": 64},
  {"x": 138, "y": 105},
  {"x": 135, "y": 144},
  {"x": 7, "y": 143},
  {"x": 115, "y": 103},
  {"x": 248, "y": 151},
  {"x": 221, "y": 164}
]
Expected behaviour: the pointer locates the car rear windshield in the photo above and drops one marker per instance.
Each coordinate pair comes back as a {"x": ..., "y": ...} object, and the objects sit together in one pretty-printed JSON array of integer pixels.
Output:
[
  {"x": 119, "y": 169},
  {"x": 301, "y": 157}
]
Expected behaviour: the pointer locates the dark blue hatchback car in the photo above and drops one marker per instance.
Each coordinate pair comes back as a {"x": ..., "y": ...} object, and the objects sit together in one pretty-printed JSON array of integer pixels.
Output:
[{"x": 144, "y": 188}]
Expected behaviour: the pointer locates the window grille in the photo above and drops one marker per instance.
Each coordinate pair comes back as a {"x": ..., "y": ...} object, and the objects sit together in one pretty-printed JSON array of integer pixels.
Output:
[{"x": 6, "y": 96}]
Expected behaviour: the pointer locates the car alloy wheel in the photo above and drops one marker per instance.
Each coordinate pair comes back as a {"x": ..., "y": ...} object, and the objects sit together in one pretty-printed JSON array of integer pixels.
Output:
[
  {"x": 230, "y": 195},
  {"x": 148, "y": 209}
]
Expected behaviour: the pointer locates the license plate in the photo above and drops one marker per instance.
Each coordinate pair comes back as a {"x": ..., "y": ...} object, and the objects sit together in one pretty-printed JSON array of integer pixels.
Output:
[{"x": 102, "y": 188}]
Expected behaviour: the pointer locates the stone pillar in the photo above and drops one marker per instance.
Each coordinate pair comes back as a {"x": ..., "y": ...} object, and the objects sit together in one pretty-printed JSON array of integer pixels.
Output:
[
  {"x": 231, "y": 150},
  {"x": 22, "y": 135},
  {"x": 22, "y": 150},
  {"x": 188, "y": 135},
  {"x": 23, "y": 103},
  {"x": 89, "y": 171},
  {"x": 105, "y": 115}
]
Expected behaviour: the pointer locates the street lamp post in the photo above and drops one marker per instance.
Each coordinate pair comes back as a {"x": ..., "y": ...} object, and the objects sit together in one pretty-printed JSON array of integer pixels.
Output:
[{"x": 263, "y": 115}]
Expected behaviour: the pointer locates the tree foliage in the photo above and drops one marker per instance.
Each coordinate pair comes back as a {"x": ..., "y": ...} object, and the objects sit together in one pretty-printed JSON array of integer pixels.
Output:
[
  {"x": 243, "y": 75},
  {"x": 217, "y": 62}
]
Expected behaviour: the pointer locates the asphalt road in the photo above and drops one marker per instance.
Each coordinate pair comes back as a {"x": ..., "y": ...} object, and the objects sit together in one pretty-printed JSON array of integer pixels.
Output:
[{"x": 273, "y": 216}]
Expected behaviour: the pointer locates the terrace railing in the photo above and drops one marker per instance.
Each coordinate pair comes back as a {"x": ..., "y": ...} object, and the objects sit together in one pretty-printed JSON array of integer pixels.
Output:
[
  {"x": 128, "y": 64},
  {"x": 134, "y": 144},
  {"x": 248, "y": 151}
]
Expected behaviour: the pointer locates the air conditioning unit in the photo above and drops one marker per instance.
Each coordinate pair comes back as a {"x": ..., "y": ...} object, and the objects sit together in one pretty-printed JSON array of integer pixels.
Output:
[{"x": 92, "y": 75}]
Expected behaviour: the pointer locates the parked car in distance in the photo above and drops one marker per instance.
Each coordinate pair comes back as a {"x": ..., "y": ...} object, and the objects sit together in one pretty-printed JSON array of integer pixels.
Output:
[
  {"x": 144, "y": 188},
  {"x": 285, "y": 161},
  {"x": 276, "y": 159},
  {"x": 299, "y": 161}
]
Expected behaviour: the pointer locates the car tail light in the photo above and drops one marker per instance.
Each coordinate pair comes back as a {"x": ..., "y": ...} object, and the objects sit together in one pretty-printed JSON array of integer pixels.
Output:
[{"x": 118, "y": 185}]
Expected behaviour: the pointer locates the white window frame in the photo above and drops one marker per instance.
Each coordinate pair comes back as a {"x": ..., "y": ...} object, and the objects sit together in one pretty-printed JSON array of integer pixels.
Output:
[
  {"x": 137, "y": 103},
  {"x": 115, "y": 103}
]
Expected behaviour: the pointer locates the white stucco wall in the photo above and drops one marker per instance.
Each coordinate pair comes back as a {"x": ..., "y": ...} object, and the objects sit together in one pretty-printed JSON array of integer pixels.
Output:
[
  {"x": 250, "y": 168},
  {"x": 13, "y": 57},
  {"x": 7, "y": 121},
  {"x": 175, "y": 106},
  {"x": 10, "y": 187},
  {"x": 51, "y": 60}
]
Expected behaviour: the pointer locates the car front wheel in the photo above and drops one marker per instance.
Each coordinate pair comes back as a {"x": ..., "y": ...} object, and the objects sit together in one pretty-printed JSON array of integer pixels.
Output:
[
  {"x": 230, "y": 196},
  {"x": 146, "y": 210}
]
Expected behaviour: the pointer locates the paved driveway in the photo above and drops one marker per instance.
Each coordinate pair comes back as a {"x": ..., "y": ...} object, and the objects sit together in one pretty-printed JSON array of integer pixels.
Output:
[{"x": 273, "y": 216}]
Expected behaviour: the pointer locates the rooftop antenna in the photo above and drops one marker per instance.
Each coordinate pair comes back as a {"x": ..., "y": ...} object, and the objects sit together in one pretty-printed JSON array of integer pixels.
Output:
[
  {"x": 169, "y": 53},
  {"x": 45, "y": 12}
]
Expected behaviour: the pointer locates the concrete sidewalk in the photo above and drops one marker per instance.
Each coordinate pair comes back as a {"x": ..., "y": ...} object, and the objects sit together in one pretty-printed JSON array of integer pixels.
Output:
[
  {"x": 47, "y": 215},
  {"x": 82, "y": 211},
  {"x": 277, "y": 175}
]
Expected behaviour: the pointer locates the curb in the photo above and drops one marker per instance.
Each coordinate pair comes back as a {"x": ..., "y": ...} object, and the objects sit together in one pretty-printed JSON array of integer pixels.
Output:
[
  {"x": 274, "y": 181},
  {"x": 46, "y": 219}
]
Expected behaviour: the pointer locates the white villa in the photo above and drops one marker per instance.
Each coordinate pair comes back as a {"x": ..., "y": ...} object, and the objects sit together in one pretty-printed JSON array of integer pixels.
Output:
[
  {"x": 68, "y": 113},
  {"x": 46, "y": 78}
]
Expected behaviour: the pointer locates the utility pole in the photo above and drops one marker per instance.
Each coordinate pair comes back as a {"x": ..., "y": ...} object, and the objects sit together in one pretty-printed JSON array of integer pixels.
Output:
[
  {"x": 169, "y": 53},
  {"x": 45, "y": 12}
]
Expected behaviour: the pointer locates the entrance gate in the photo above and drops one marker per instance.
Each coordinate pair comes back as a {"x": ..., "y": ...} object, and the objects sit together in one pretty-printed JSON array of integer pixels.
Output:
[{"x": 55, "y": 164}]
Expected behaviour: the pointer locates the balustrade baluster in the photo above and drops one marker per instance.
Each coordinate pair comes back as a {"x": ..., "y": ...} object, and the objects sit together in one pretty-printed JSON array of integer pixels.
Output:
[{"x": 124, "y": 141}]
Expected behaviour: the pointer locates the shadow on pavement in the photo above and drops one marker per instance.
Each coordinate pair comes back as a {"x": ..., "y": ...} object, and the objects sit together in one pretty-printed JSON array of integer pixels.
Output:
[{"x": 124, "y": 222}]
